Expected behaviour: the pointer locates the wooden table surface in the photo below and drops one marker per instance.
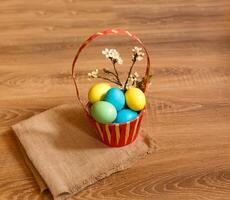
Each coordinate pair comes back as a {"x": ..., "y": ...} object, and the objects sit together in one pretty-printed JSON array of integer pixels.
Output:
[{"x": 189, "y": 43}]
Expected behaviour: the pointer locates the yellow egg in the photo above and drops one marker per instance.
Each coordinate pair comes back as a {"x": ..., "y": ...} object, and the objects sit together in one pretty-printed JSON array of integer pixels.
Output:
[
  {"x": 97, "y": 92},
  {"x": 135, "y": 99}
]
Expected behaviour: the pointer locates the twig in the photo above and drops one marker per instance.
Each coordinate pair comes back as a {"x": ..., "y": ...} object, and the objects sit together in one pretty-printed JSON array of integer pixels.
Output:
[
  {"x": 115, "y": 69},
  {"x": 130, "y": 71},
  {"x": 115, "y": 75},
  {"x": 109, "y": 80},
  {"x": 109, "y": 72}
]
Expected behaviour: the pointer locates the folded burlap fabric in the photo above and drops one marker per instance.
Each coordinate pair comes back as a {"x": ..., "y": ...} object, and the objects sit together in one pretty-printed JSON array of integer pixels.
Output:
[{"x": 65, "y": 154}]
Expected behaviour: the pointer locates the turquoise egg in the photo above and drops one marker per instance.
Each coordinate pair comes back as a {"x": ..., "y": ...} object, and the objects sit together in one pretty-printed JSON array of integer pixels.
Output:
[
  {"x": 116, "y": 97},
  {"x": 125, "y": 115},
  {"x": 103, "y": 112}
]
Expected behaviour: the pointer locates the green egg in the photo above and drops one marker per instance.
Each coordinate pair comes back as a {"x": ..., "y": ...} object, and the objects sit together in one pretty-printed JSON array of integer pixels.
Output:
[{"x": 103, "y": 112}]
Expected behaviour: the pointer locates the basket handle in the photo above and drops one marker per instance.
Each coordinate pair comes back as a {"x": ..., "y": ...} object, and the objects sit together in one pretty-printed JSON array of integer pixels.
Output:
[{"x": 103, "y": 33}]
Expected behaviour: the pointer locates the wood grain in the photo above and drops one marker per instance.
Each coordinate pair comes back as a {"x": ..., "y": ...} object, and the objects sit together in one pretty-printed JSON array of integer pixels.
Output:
[{"x": 189, "y": 43}]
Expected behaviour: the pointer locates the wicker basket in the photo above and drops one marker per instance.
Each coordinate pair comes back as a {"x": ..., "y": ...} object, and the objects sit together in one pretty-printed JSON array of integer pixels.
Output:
[{"x": 115, "y": 135}]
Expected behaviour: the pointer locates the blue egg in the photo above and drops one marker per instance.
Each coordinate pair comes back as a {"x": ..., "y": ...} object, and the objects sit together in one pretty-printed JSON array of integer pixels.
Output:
[
  {"x": 125, "y": 115},
  {"x": 116, "y": 97}
]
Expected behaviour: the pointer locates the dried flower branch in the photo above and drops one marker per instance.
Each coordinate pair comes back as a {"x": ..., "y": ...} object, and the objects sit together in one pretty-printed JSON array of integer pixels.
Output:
[
  {"x": 137, "y": 56},
  {"x": 132, "y": 79},
  {"x": 108, "y": 79},
  {"x": 106, "y": 71},
  {"x": 113, "y": 55},
  {"x": 115, "y": 58},
  {"x": 95, "y": 74}
]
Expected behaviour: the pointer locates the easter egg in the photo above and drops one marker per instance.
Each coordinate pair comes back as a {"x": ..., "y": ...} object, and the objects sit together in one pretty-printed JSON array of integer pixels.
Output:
[
  {"x": 116, "y": 97},
  {"x": 103, "y": 112},
  {"x": 125, "y": 115},
  {"x": 97, "y": 92},
  {"x": 135, "y": 99}
]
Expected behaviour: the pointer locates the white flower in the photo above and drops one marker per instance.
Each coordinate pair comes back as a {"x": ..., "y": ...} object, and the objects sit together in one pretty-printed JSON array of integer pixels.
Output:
[
  {"x": 119, "y": 61},
  {"x": 136, "y": 49},
  {"x": 139, "y": 58},
  {"x": 113, "y": 55},
  {"x": 93, "y": 74},
  {"x": 137, "y": 53},
  {"x": 106, "y": 52},
  {"x": 132, "y": 78},
  {"x": 136, "y": 74}
]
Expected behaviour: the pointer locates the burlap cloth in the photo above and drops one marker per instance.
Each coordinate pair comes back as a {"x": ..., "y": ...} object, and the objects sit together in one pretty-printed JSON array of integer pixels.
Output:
[{"x": 65, "y": 155}]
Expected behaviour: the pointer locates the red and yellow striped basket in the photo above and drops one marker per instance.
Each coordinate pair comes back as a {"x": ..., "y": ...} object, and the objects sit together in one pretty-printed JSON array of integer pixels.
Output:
[{"x": 115, "y": 135}]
